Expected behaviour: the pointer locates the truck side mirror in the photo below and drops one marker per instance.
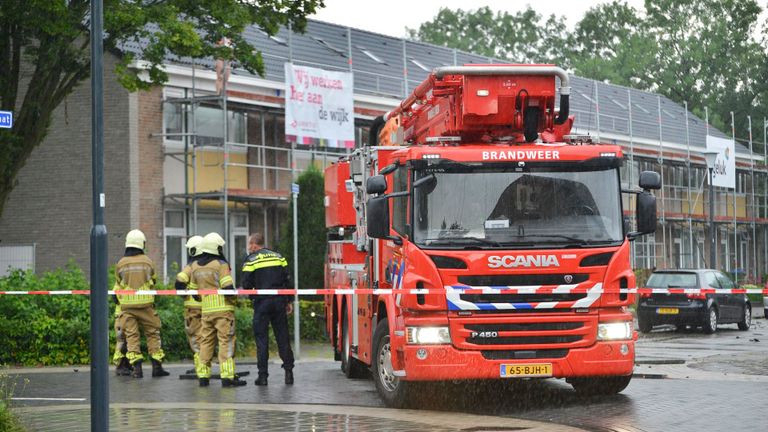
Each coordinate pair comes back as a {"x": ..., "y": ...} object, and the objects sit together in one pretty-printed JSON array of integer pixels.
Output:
[
  {"x": 377, "y": 215},
  {"x": 376, "y": 184},
  {"x": 650, "y": 180},
  {"x": 646, "y": 213}
]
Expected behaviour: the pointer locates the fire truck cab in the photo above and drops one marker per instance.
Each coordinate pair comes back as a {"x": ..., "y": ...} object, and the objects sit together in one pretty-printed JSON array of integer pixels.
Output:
[{"x": 476, "y": 238}]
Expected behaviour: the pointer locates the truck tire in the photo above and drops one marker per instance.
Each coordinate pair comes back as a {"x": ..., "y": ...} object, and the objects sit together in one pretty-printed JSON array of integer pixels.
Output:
[
  {"x": 644, "y": 324},
  {"x": 710, "y": 321},
  {"x": 600, "y": 385},
  {"x": 395, "y": 392},
  {"x": 352, "y": 367},
  {"x": 746, "y": 318}
]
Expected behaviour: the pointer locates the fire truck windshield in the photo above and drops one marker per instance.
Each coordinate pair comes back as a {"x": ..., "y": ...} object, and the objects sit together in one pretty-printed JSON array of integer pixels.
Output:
[{"x": 492, "y": 207}]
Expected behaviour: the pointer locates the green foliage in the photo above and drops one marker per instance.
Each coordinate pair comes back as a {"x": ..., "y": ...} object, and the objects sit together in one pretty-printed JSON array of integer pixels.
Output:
[
  {"x": 312, "y": 232},
  {"x": 672, "y": 47},
  {"x": 522, "y": 38},
  {"x": 42, "y": 330},
  {"x": 50, "y": 37},
  {"x": 8, "y": 421}
]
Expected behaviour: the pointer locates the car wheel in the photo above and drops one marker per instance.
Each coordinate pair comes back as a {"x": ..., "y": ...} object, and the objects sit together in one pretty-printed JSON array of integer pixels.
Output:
[
  {"x": 395, "y": 392},
  {"x": 600, "y": 385},
  {"x": 352, "y": 367},
  {"x": 644, "y": 325},
  {"x": 710, "y": 321},
  {"x": 746, "y": 318}
]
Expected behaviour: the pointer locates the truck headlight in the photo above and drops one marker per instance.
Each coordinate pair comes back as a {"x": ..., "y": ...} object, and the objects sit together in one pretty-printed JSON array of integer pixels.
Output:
[
  {"x": 428, "y": 335},
  {"x": 614, "y": 331}
]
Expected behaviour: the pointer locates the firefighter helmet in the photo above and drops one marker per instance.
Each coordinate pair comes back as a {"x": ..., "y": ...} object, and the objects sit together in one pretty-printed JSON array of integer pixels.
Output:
[
  {"x": 193, "y": 245},
  {"x": 135, "y": 239},
  {"x": 211, "y": 243}
]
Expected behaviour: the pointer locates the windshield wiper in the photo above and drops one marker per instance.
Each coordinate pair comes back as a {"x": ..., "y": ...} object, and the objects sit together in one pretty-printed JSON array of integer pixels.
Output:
[
  {"x": 579, "y": 241},
  {"x": 457, "y": 240}
]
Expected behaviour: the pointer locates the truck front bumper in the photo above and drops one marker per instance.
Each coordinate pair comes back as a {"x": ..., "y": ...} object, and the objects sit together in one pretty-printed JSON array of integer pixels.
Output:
[{"x": 445, "y": 362}]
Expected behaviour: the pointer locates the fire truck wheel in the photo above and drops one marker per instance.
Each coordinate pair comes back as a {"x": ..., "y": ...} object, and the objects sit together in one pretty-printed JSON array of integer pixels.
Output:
[
  {"x": 395, "y": 392},
  {"x": 600, "y": 386},
  {"x": 352, "y": 367}
]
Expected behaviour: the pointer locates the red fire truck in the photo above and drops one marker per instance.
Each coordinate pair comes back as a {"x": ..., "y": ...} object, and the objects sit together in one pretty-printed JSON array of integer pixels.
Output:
[{"x": 477, "y": 238}]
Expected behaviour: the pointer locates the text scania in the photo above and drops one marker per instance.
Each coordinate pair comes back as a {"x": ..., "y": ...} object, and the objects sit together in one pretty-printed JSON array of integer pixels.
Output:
[
  {"x": 512, "y": 261},
  {"x": 521, "y": 155}
]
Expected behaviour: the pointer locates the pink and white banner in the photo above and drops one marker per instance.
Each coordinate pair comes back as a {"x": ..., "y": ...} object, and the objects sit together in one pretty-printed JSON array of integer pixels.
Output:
[{"x": 319, "y": 107}]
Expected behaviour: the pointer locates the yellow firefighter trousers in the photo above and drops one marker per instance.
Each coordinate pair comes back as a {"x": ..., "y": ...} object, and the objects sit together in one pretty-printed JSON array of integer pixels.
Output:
[
  {"x": 119, "y": 338},
  {"x": 217, "y": 327},
  {"x": 145, "y": 317},
  {"x": 192, "y": 324}
]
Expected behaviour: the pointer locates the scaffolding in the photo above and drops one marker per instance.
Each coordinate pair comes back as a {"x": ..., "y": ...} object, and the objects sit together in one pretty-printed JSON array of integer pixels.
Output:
[{"x": 224, "y": 196}]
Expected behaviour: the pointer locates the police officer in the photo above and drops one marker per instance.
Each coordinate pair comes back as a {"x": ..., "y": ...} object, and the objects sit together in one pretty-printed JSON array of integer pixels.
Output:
[
  {"x": 192, "y": 308},
  {"x": 266, "y": 269},
  {"x": 136, "y": 271},
  {"x": 211, "y": 272}
]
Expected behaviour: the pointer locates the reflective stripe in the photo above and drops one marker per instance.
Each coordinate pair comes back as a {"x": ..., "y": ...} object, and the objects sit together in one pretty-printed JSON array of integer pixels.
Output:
[
  {"x": 225, "y": 281},
  {"x": 182, "y": 277},
  {"x": 216, "y": 303},
  {"x": 259, "y": 264},
  {"x": 190, "y": 302}
]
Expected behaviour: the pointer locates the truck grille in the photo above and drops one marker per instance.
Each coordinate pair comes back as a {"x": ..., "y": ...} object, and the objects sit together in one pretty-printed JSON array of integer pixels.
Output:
[
  {"x": 523, "y": 354},
  {"x": 526, "y": 334}
]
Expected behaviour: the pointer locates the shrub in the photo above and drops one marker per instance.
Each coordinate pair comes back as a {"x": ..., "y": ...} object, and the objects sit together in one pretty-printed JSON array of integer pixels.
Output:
[
  {"x": 54, "y": 330},
  {"x": 8, "y": 421}
]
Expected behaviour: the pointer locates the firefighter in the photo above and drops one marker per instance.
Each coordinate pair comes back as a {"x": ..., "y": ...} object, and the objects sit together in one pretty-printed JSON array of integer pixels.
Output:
[
  {"x": 266, "y": 269},
  {"x": 135, "y": 271},
  {"x": 123, "y": 367},
  {"x": 211, "y": 272},
  {"x": 192, "y": 308}
]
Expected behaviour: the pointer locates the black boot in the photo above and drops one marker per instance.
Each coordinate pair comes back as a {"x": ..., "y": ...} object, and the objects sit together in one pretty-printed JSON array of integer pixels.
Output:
[
  {"x": 232, "y": 382},
  {"x": 288, "y": 377},
  {"x": 137, "y": 372},
  {"x": 123, "y": 368},
  {"x": 204, "y": 382},
  {"x": 261, "y": 380},
  {"x": 157, "y": 369}
]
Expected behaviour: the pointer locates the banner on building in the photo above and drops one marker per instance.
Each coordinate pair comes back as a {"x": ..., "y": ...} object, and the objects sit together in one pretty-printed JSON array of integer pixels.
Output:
[
  {"x": 724, "y": 174},
  {"x": 319, "y": 108}
]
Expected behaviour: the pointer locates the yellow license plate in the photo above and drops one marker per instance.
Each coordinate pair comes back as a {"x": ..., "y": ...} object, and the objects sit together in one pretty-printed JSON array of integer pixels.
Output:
[
  {"x": 667, "y": 311},
  {"x": 526, "y": 370}
]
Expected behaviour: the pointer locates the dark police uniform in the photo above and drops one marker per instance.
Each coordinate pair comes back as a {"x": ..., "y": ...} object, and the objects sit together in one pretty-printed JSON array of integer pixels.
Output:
[{"x": 266, "y": 269}]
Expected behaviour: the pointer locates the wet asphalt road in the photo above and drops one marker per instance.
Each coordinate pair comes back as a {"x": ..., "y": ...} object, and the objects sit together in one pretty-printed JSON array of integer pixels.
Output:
[{"x": 712, "y": 383}]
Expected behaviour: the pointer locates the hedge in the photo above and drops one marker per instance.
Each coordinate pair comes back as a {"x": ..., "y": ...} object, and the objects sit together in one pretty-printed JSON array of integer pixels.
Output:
[{"x": 54, "y": 330}]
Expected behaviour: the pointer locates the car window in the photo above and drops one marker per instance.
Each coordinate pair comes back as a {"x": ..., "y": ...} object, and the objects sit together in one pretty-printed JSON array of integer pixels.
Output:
[
  {"x": 710, "y": 280},
  {"x": 725, "y": 281},
  {"x": 673, "y": 280}
]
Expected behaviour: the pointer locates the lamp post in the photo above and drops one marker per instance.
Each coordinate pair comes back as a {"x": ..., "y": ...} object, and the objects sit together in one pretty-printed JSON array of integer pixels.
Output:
[{"x": 711, "y": 157}]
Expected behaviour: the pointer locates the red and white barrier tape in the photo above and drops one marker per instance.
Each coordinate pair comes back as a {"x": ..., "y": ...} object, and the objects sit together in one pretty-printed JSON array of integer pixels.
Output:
[{"x": 384, "y": 291}]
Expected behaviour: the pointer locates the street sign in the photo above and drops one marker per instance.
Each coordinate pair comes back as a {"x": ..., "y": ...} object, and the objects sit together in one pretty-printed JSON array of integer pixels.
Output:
[
  {"x": 295, "y": 188},
  {"x": 6, "y": 119}
]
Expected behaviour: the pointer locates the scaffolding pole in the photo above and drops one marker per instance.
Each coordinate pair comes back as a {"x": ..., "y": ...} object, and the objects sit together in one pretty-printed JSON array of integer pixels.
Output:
[
  {"x": 688, "y": 193},
  {"x": 752, "y": 190},
  {"x": 735, "y": 231},
  {"x": 663, "y": 206}
]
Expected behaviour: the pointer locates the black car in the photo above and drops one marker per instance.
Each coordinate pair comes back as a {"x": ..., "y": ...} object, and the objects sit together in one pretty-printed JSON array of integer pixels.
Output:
[{"x": 693, "y": 309}]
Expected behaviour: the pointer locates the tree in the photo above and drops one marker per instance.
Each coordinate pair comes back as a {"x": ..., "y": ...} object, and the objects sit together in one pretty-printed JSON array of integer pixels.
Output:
[
  {"x": 312, "y": 231},
  {"x": 702, "y": 52},
  {"x": 45, "y": 53},
  {"x": 519, "y": 38}
]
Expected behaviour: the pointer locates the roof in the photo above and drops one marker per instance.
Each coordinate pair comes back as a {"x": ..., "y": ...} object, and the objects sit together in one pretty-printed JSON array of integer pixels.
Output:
[{"x": 391, "y": 67}]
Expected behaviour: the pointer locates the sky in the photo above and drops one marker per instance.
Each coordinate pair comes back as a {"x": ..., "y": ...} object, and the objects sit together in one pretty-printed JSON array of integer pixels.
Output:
[{"x": 392, "y": 16}]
